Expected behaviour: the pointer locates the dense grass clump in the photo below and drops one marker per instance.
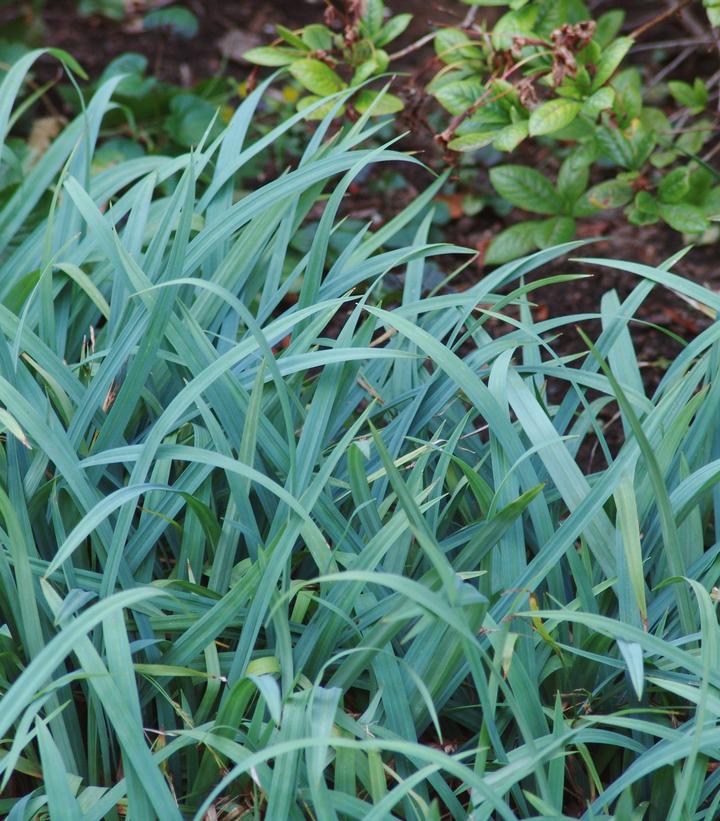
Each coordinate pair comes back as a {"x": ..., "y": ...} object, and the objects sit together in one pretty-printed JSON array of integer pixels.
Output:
[{"x": 333, "y": 557}]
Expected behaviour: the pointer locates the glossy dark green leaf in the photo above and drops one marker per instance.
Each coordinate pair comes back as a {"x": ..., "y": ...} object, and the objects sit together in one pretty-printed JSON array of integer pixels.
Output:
[
  {"x": 689, "y": 219},
  {"x": 394, "y": 27},
  {"x": 526, "y": 188},
  {"x": 513, "y": 242}
]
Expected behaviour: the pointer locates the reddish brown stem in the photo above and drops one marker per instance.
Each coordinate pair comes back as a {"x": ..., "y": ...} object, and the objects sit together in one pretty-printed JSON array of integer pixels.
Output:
[
  {"x": 640, "y": 30},
  {"x": 459, "y": 119}
]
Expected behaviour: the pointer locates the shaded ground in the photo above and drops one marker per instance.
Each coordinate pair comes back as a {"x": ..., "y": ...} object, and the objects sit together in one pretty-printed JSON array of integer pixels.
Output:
[
  {"x": 232, "y": 26},
  {"x": 94, "y": 41}
]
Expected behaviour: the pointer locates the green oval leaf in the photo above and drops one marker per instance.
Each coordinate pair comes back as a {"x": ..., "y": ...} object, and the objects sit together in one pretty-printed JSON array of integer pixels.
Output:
[
  {"x": 473, "y": 141},
  {"x": 316, "y": 77},
  {"x": 552, "y": 116},
  {"x": 291, "y": 38},
  {"x": 675, "y": 186},
  {"x": 373, "y": 16},
  {"x": 317, "y": 37},
  {"x": 375, "y": 65},
  {"x": 526, "y": 188},
  {"x": 688, "y": 219},
  {"x": 318, "y": 113},
  {"x": 458, "y": 96},
  {"x": 511, "y": 136},
  {"x": 272, "y": 56},
  {"x": 608, "y": 26},
  {"x": 610, "y": 59},
  {"x": 554, "y": 231},
  {"x": 394, "y": 27},
  {"x": 513, "y": 242},
  {"x": 601, "y": 100},
  {"x": 605, "y": 195},
  {"x": 695, "y": 97},
  {"x": 382, "y": 102}
]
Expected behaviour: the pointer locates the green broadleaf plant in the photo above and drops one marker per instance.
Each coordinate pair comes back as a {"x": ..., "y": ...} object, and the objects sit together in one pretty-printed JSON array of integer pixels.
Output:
[
  {"x": 547, "y": 75},
  {"x": 564, "y": 82},
  {"x": 323, "y": 61}
]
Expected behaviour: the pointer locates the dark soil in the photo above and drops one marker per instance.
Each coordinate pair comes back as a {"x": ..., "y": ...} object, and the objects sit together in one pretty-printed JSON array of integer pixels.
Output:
[
  {"x": 94, "y": 41},
  {"x": 232, "y": 26}
]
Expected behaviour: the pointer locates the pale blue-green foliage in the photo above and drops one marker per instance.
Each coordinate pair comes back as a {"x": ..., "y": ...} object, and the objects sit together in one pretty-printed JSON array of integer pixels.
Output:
[{"x": 333, "y": 556}]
